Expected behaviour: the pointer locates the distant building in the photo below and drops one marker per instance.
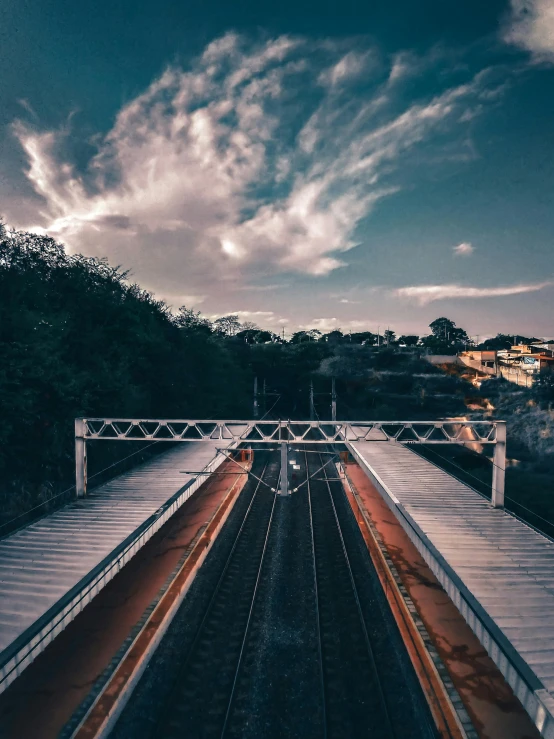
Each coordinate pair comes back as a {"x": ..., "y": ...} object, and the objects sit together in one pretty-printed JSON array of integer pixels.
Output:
[
  {"x": 519, "y": 364},
  {"x": 546, "y": 348},
  {"x": 484, "y": 361}
]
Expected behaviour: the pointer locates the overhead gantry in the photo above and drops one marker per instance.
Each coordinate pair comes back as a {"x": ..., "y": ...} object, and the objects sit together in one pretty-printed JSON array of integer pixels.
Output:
[{"x": 287, "y": 432}]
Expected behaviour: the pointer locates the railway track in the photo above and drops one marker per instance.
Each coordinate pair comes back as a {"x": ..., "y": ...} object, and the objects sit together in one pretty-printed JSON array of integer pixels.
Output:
[
  {"x": 349, "y": 673},
  {"x": 288, "y": 642},
  {"x": 199, "y": 703}
]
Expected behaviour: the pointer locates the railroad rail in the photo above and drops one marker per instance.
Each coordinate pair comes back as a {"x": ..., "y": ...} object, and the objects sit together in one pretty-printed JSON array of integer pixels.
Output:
[
  {"x": 201, "y": 699},
  {"x": 283, "y": 644},
  {"x": 338, "y": 606}
]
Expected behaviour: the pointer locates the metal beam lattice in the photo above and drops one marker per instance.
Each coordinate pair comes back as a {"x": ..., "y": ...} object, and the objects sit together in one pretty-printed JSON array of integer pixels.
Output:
[
  {"x": 294, "y": 432},
  {"x": 313, "y": 432}
]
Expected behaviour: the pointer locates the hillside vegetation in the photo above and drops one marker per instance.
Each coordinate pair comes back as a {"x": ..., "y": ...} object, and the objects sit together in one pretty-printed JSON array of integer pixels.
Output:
[{"x": 77, "y": 338}]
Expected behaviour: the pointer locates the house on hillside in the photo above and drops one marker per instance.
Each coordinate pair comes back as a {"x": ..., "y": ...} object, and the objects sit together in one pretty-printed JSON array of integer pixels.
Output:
[
  {"x": 484, "y": 361},
  {"x": 523, "y": 362},
  {"x": 519, "y": 364}
]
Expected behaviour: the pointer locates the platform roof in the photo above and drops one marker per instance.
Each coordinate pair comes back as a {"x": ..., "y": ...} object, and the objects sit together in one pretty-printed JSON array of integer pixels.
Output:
[
  {"x": 53, "y": 567},
  {"x": 498, "y": 570}
]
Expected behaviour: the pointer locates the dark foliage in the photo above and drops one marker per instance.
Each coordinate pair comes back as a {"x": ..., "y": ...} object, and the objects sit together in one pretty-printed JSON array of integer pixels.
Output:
[{"x": 77, "y": 339}]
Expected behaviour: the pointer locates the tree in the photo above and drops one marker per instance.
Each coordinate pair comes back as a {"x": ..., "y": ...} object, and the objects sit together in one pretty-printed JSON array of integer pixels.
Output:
[
  {"x": 389, "y": 337},
  {"x": 333, "y": 337},
  {"x": 256, "y": 336},
  {"x": 543, "y": 387},
  {"x": 228, "y": 325},
  {"x": 189, "y": 320},
  {"x": 408, "y": 339},
  {"x": 76, "y": 339},
  {"x": 441, "y": 327},
  {"x": 363, "y": 337},
  {"x": 500, "y": 341},
  {"x": 301, "y": 336},
  {"x": 446, "y": 336}
]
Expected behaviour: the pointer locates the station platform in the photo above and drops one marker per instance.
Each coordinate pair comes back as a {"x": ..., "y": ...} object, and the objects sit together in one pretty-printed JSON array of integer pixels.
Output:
[
  {"x": 498, "y": 570},
  {"x": 52, "y": 568}
]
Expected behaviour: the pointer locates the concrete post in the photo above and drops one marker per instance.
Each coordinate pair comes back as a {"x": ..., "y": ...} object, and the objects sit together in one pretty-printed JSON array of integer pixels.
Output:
[
  {"x": 80, "y": 458},
  {"x": 284, "y": 490},
  {"x": 333, "y": 401},
  {"x": 499, "y": 461},
  {"x": 255, "y": 397}
]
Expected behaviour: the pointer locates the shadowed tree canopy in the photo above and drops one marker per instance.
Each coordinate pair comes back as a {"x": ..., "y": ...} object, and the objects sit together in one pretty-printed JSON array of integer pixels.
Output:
[
  {"x": 408, "y": 339},
  {"x": 446, "y": 337},
  {"x": 77, "y": 339},
  {"x": 363, "y": 337}
]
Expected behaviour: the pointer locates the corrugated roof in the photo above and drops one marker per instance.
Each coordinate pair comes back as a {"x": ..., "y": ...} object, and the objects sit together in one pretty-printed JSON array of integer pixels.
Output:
[
  {"x": 507, "y": 566},
  {"x": 41, "y": 563}
]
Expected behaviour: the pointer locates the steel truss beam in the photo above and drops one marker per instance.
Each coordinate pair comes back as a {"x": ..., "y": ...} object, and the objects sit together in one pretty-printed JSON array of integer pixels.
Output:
[
  {"x": 294, "y": 432},
  {"x": 313, "y": 432}
]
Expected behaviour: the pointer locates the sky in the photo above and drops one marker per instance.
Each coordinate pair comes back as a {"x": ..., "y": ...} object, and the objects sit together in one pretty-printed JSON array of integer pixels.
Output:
[{"x": 321, "y": 165}]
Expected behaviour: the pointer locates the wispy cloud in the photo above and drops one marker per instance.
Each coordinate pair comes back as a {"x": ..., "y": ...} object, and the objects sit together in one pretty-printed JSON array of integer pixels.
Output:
[
  {"x": 463, "y": 250},
  {"x": 265, "y": 318},
  {"x": 429, "y": 293},
  {"x": 531, "y": 26},
  {"x": 178, "y": 299},
  {"x": 239, "y": 165},
  {"x": 330, "y": 324}
]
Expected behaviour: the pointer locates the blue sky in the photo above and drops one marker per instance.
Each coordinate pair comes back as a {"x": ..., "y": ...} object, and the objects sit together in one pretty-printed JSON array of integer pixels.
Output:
[{"x": 303, "y": 164}]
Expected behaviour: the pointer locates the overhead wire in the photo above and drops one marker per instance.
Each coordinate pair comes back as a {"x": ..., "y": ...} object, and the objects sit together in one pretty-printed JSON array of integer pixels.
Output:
[{"x": 272, "y": 407}]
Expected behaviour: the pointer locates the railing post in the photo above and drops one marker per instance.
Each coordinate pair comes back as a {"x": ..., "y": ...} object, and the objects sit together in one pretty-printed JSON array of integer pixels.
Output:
[
  {"x": 499, "y": 465},
  {"x": 80, "y": 458}
]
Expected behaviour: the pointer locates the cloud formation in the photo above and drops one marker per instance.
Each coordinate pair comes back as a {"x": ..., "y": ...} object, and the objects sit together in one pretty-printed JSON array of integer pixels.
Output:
[
  {"x": 257, "y": 158},
  {"x": 463, "y": 250},
  {"x": 531, "y": 26},
  {"x": 424, "y": 294}
]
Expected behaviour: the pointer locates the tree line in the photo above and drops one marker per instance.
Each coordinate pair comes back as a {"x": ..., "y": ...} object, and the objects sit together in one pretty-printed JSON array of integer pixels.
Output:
[
  {"x": 445, "y": 336},
  {"x": 78, "y": 338}
]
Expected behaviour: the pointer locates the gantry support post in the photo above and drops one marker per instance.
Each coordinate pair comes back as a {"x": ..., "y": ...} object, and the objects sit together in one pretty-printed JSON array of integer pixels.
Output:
[
  {"x": 333, "y": 400},
  {"x": 312, "y": 400},
  {"x": 284, "y": 487},
  {"x": 80, "y": 458},
  {"x": 499, "y": 465}
]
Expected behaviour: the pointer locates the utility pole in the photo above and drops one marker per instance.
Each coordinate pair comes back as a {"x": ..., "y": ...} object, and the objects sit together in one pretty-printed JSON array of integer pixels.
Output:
[
  {"x": 284, "y": 489},
  {"x": 378, "y": 336},
  {"x": 265, "y": 397},
  {"x": 284, "y": 486},
  {"x": 80, "y": 458},
  {"x": 333, "y": 400},
  {"x": 312, "y": 409},
  {"x": 255, "y": 397}
]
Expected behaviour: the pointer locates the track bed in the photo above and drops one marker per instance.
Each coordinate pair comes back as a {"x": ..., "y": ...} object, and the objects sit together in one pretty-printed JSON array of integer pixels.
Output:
[{"x": 285, "y": 632}]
